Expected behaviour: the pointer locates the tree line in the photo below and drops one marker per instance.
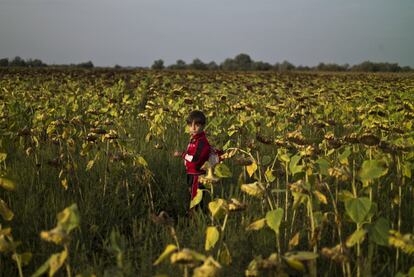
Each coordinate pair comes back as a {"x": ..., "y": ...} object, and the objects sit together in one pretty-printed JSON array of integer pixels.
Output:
[
  {"x": 19, "y": 62},
  {"x": 242, "y": 62},
  {"x": 245, "y": 63}
]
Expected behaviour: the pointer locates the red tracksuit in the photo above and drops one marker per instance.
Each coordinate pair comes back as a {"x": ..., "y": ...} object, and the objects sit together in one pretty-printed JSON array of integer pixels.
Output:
[{"x": 197, "y": 153}]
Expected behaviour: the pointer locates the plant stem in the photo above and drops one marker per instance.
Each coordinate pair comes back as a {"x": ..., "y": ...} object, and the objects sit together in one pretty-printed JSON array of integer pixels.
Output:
[
  {"x": 286, "y": 197},
  {"x": 358, "y": 255},
  {"x": 106, "y": 167},
  {"x": 68, "y": 270},
  {"x": 354, "y": 189},
  {"x": 19, "y": 264}
]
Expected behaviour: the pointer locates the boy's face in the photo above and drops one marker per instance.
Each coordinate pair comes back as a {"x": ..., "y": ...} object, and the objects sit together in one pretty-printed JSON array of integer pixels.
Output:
[{"x": 195, "y": 128}]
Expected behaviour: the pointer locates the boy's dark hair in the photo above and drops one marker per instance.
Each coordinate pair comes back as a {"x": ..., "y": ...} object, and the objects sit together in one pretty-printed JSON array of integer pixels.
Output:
[{"x": 197, "y": 116}]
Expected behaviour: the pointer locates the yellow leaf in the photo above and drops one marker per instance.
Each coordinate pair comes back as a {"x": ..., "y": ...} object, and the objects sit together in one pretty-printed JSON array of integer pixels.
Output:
[
  {"x": 301, "y": 255},
  {"x": 257, "y": 225},
  {"x": 140, "y": 160},
  {"x": 356, "y": 237},
  {"x": 6, "y": 241},
  {"x": 56, "y": 261},
  {"x": 64, "y": 183},
  {"x": 210, "y": 268},
  {"x": 3, "y": 157},
  {"x": 23, "y": 258},
  {"x": 53, "y": 264},
  {"x": 212, "y": 236},
  {"x": 5, "y": 212},
  {"x": 197, "y": 199},
  {"x": 5, "y": 231},
  {"x": 295, "y": 264},
  {"x": 236, "y": 205},
  {"x": 56, "y": 235},
  {"x": 69, "y": 219},
  {"x": 186, "y": 256},
  {"x": 218, "y": 208},
  {"x": 253, "y": 189},
  {"x": 225, "y": 257},
  {"x": 294, "y": 241},
  {"x": 7, "y": 184},
  {"x": 168, "y": 250},
  {"x": 251, "y": 168},
  {"x": 321, "y": 197},
  {"x": 90, "y": 165}
]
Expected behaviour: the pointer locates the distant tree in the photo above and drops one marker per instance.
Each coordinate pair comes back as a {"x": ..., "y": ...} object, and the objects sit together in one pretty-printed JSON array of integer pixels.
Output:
[
  {"x": 198, "y": 65},
  {"x": 117, "y": 66},
  {"x": 364, "y": 66},
  {"x": 87, "y": 64},
  {"x": 212, "y": 66},
  {"x": 35, "y": 63},
  {"x": 389, "y": 67},
  {"x": 4, "y": 62},
  {"x": 243, "y": 62},
  {"x": 368, "y": 66},
  {"x": 158, "y": 64},
  {"x": 179, "y": 64},
  {"x": 17, "y": 61},
  {"x": 303, "y": 68},
  {"x": 228, "y": 64},
  {"x": 240, "y": 62},
  {"x": 406, "y": 69},
  {"x": 262, "y": 66},
  {"x": 331, "y": 67},
  {"x": 284, "y": 66}
]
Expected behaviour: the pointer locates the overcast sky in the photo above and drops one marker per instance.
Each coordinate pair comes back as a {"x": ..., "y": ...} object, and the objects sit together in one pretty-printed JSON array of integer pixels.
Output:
[{"x": 136, "y": 32}]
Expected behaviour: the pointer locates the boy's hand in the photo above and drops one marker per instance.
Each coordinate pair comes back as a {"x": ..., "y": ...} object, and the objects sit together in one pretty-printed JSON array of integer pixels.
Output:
[{"x": 177, "y": 154}]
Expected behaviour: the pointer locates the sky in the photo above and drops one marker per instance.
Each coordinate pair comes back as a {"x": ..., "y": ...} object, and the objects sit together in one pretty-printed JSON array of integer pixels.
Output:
[{"x": 137, "y": 32}]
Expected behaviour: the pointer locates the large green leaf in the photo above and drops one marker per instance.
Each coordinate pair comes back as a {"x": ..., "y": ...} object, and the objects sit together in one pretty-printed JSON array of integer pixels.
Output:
[
  {"x": 323, "y": 166},
  {"x": 266, "y": 160},
  {"x": 343, "y": 157},
  {"x": 372, "y": 169},
  {"x": 358, "y": 208},
  {"x": 411, "y": 272},
  {"x": 222, "y": 171},
  {"x": 274, "y": 218},
  {"x": 378, "y": 232},
  {"x": 293, "y": 165}
]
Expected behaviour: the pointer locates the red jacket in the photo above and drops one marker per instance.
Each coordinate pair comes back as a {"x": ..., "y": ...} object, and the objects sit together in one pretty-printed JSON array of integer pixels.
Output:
[{"x": 197, "y": 153}]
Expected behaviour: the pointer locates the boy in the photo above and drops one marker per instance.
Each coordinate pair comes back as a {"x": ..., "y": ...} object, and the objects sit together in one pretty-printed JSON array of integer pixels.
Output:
[{"x": 198, "y": 150}]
